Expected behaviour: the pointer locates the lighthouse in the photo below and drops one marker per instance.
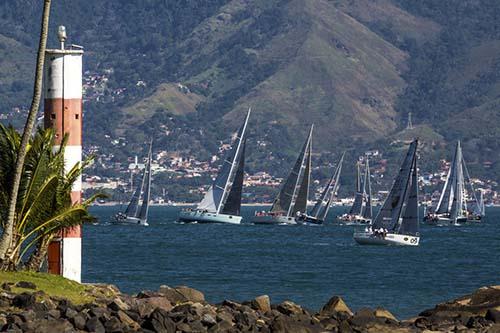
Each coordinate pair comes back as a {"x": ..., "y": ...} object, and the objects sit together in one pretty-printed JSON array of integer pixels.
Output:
[{"x": 63, "y": 113}]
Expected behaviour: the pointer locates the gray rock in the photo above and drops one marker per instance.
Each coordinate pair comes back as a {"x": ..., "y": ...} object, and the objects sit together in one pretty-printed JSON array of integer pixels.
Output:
[
  {"x": 335, "y": 304},
  {"x": 24, "y": 300},
  {"x": 160, "y": 322},
  {"x": 262, "y": 303},
  {"x": 79, "y": 321},
  {"x": 182, "y": 294},
  {"x": 208, "y": 320},
  {"x": 26, "y": 285},
  {"x": 493, "y": 315},
  {"x": 52, "y": 326},
  {"x": 93, "y": 324},
  {"x": 146, "y": 306},
  {"x": 113, "y": 325},
  {"x": 117, "y": 304}
]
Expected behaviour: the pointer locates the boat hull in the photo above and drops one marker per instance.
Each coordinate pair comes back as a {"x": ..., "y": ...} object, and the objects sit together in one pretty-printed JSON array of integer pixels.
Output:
[
  {"x": 445, "y": 221},
  {"x": 309, "y": 220},
  {"x": 207, "y": 217},
  {"x": 129, "y": 220},
  {"x": 273, "y": 219},
  {"x": 368, "y": 238},
  {"x": 353, "y": 220}
]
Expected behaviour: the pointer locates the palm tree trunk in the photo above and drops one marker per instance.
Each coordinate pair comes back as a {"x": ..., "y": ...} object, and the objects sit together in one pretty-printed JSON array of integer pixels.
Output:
[
  {"x": 6, "y": 240},
  {"x": 38, "y": 256}
]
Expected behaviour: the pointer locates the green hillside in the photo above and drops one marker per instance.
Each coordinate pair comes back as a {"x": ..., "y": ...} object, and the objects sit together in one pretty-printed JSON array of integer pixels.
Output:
[{"x": 354, "y": 68}]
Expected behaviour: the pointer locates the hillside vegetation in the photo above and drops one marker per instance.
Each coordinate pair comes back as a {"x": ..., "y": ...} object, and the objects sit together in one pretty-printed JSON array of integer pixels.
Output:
[{"x": 354, "y": 68}]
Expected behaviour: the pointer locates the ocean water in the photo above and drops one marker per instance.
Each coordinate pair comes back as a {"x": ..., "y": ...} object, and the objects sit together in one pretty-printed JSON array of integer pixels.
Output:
[{"x": 305, "y": 264}]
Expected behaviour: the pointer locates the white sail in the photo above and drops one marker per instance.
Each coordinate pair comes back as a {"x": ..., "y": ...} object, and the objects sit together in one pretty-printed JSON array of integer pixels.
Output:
[{"x": 216, "y": 196}]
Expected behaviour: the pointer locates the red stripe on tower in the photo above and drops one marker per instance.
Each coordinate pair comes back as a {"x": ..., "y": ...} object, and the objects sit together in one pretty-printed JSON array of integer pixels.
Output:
[{"x": 63, "y": 112}]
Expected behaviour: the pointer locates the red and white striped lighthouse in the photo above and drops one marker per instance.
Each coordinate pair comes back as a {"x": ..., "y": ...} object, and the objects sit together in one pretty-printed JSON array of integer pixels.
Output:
[{"x": 63, "y": 112}]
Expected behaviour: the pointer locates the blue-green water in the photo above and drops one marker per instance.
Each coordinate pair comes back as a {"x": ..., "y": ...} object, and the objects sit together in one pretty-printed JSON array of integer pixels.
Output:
[{"x": 307, "y": 264}]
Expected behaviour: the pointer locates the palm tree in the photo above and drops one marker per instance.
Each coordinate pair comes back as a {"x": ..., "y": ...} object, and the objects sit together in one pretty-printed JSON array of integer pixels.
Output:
[
  {"x": 44, "y": 205},
  {"x": 8, "y": 226}
]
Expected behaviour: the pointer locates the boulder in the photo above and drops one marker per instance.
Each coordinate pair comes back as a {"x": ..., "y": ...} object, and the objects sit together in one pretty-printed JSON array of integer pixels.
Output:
[
  {"x": 145, "y": 306},
  {"x": 93, "y": 324},
  {"x": 335, "y": 304},
  {"x": 26, "y": 285},
  {"x": 493, "y": 315},
  {"x": 79, "y": 321},
  {"x": 127, "y": 321},
  {"x": 261, "y": 303},
  {"x": 51, "y": 326},
  {"x": 113, "y": 325},
  {"x": 118, "y": 304},
  {"x": 208, "y": 320},
  {"x": 284, "y": 324},
  {"x": 24, "y": 300},
  {"x": 364, "y": 317},
  {"x": 182, "y": 294},
  {"x": 289, "y": 308},
  {"x": 160, "y": 322},
  {"x": 383, "y": 313}
]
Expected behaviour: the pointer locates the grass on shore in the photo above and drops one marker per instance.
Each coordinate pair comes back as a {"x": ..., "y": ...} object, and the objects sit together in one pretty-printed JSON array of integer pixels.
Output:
[{"x": 52, "y": 285}]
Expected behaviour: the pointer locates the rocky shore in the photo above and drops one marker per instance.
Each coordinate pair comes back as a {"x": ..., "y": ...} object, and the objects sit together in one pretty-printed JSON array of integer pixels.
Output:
[{"x": 183, "y": 309}]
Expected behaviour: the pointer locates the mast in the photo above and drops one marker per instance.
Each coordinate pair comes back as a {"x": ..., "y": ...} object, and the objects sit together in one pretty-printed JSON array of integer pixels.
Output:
[{"x": 143, "y": 214}]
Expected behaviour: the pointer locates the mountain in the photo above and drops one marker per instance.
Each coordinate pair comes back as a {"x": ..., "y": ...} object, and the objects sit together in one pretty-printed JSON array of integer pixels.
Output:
[{"x": 185, "y": 72}]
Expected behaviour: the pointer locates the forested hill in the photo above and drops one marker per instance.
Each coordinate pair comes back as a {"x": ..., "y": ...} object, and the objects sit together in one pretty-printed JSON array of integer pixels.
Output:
[{"x": 184, "y": 72}]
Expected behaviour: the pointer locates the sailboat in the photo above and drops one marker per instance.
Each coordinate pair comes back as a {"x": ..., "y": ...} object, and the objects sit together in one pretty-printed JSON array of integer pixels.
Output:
[
  {"x": 320, "y": 210},
  {"x": 222, "y": 202},
  {"x": 361, "y": 211},
  {"x": 397, "y": 221},
  {"x": 135, "y": 213},
  {"x": 291, "y": 201},
  {"x": 452, "y": 206}
]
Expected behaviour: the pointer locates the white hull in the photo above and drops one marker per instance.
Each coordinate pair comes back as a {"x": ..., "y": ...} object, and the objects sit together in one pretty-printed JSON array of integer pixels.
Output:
[
  {"x": 131, "y": 221},
  {"x": 353, "y": 220},
  {"x": 273, "y": 219},
  {"x": 445, "y": 221},
  {"x": 368, "y": 238},
  {"x": 207, "y": 217}
]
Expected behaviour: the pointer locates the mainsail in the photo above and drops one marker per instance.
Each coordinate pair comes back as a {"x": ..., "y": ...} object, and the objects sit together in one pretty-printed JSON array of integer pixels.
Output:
[
  {"x": 286, "y": 199},
  {"x": 409, "y": 223},
  {"x": 322, "y": 206},
  {"x": 143, "y": 214},
  {"x": 389, "y": 214},
  {"x": 303, "y": 194},
  {"x": 368, "y": 209},
  {"x": 357, "y": 206},
  {"x": 216, "y": 197},
  {"x": 133, "y": 205},
  {"x": 233, "y": 202}
]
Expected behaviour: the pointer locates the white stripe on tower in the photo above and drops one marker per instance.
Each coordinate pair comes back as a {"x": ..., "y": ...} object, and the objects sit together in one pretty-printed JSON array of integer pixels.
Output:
[{"x": 63, "y": 112}]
